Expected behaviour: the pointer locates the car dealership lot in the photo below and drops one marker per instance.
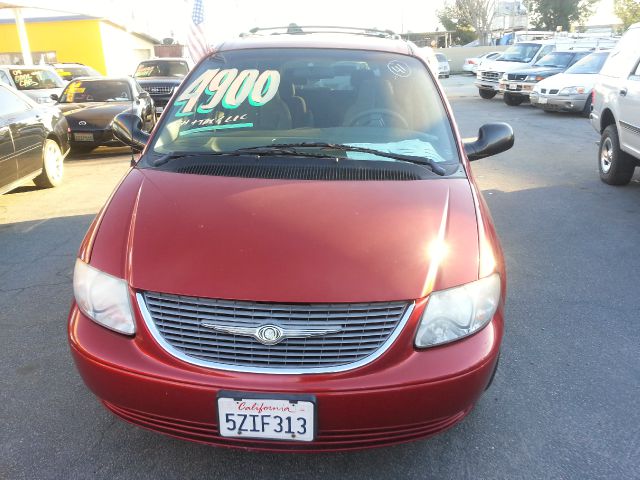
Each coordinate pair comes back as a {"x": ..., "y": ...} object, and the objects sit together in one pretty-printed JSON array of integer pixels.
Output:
[{"x": 564, "y": 401}]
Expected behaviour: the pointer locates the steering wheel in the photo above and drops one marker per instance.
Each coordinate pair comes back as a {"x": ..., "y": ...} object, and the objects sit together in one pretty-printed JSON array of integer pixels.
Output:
[{"x": 375, "y": 118}]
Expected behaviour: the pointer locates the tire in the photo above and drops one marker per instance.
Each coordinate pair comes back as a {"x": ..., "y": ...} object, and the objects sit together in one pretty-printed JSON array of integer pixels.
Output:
[
  {"x": 487, "y": 94},
  {"x": 513, "y": 100},
  {"x": 52, "y": 165},
  {"x": 615, "y": 166},
  {"x": 587, "y": 108}
]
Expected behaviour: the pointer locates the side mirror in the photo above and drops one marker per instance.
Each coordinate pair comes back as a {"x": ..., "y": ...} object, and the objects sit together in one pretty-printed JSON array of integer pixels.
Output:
[
  {"x": 493, "y": 138},
  {"x": 54, "y": 97},
  {"x": 127, "y": 127},
  {"x": 144, "y": 94}
]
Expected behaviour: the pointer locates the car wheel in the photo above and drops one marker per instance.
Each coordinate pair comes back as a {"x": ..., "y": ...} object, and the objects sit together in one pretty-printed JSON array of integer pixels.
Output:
[
  {"x": 513, "y": 100},
  {"x": 487, "y": 94},
  {"x": 616, "y": 167},
  {"x": 52, "y": 165}
]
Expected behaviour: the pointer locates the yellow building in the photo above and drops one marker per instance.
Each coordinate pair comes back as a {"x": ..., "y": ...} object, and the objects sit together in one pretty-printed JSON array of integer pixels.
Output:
[{"x": 95, "y": 42}]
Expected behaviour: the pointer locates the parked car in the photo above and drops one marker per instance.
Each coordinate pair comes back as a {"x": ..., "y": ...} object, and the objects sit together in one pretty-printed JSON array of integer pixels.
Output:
[
  {"x": 444, "y": 70},
  {"x": 570, "y": 91},
  {"x": 429, "y": 57},
  {"x": 90, "y": 105},
  {"x": 471, "y": 64},
  {"x": 160, "y": 77},
  {"x": 517, "y": 84},
  {"x": 33, "y": 142},
  {"x": 524, "y": 54},
  {"x": 37, "y": 82},
  {"x": 288, "y": 266},
  {"x": 616, "y": 110},
  {"x": 71, "y": 71}
]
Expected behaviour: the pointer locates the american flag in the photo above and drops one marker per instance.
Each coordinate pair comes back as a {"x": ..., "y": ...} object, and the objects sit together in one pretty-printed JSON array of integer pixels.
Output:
[{"x": 196, "y": 38}]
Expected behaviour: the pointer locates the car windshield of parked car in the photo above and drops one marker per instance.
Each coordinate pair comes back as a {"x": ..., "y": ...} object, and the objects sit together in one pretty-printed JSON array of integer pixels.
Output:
[
  {"x": 262, "y": 97},
  {"x": 35, "y": 79},
  {"x": 591, "y": 64},
  {"x": 69, "y": 73},
  {"x": 441, "y": 57},
  {"x": 80, "y": 91},
  {"x": 555, "y": 59},
  {"x": 521, "y": 52},
  {"x": 162, "y": 69}
]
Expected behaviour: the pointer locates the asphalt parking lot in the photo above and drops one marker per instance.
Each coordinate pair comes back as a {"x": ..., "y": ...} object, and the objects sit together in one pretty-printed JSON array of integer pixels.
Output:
[{"x": 564, "y": 403}]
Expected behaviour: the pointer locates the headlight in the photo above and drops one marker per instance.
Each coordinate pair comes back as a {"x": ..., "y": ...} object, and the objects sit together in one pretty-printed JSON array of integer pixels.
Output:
[
  {"x": 103, "y": 298},
  {"x": 571, "y": 91},
  {"x": 505, "y": 76},
  {"x": 458, "y": 312}
]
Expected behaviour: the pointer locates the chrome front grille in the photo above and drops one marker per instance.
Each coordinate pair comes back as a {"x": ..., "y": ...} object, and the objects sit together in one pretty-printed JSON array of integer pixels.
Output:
[
  {"x": 492, "y": 76},
  {"x": 158, "y": 89},
  {"x": 366, "y": 330}
]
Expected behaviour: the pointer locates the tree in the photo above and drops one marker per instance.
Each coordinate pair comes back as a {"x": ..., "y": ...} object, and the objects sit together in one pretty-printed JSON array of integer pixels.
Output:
[
  {"x": 466, "y": 14},
  {"x": 449, "y": 18},
  {"x": 550, "y": 14},
  {"x": 628, "y": 11}
]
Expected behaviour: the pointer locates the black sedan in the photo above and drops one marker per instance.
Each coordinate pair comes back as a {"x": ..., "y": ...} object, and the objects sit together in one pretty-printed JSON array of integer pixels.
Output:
[
  {"x": 517, "y": 85},
  {"x": 33, "y": 142},
  {"x": 90, "y": 105}
]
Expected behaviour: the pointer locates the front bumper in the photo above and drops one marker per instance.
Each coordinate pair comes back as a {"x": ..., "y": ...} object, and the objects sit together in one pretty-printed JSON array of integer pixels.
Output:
[
  {"x": 99, "y": 138},
  {"x": 559, "y": 103},
  {"x": 403, "y": 395},
  {"x": 515, "y": 88},
  {"x": 486, "y": 85}
]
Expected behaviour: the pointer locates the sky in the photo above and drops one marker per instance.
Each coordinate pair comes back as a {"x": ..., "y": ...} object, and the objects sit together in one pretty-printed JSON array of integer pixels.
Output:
[
  {"x": 225, "y": 18},
  {"x": 230, "y": 17}
]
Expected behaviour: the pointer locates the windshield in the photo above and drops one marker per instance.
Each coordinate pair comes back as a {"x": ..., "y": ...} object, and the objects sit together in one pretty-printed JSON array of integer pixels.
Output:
[
  {"x": 591, "y": 64},
  {"x": 251, "y": 98},
  {"x": 555, "y": 59},
  {"x": 441, "y": 57},
  {"x": 162, "y": 69},
  {"x": 35, "y": 79},
  {"x": 520, "y": 52},
  {"x": 69, "y": 73},
  {"x": 96, "y": 91}
]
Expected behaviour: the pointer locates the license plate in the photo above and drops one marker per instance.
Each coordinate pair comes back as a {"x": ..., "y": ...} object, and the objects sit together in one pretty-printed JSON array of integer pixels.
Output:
[
  {"x": 83, "y": 137},
  {"x": 159, "y": 109},
  {"x": 512, "y": 87},
  {"x": 269, "y": 417},
  {"x": 543, "y": 100}
]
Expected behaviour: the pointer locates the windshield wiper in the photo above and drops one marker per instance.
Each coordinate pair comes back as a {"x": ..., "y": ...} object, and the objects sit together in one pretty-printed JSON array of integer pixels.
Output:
[
  {"x": 425, "y": 161},
  {"x": 254, "y": 151}
]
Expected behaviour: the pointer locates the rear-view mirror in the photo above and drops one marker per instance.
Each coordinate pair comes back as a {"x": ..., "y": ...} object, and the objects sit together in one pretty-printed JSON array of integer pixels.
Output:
[
  {"x": 493, "y": 138},
  {"x": 127, "y": 127}
]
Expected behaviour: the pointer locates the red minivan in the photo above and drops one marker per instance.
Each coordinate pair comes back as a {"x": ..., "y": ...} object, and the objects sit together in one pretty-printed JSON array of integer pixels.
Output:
[{"x": 300, "y": 259}]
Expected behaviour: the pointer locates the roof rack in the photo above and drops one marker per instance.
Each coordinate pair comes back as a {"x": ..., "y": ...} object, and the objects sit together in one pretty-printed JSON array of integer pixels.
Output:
[{"x": 294, "y": 29}]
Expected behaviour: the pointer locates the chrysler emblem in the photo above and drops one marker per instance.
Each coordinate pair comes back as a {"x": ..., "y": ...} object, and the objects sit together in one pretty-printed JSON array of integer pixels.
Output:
[{"x": 270, "y": 334}]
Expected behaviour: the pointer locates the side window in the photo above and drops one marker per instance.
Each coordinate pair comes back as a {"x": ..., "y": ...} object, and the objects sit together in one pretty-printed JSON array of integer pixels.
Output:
[
  {"x": 11, "y": 103},
  {"x": 636, "y": 73}
]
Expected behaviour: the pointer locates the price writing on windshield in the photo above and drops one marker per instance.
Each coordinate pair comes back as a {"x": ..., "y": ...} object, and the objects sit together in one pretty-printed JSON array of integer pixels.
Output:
[{"x": 229, "y": 88}]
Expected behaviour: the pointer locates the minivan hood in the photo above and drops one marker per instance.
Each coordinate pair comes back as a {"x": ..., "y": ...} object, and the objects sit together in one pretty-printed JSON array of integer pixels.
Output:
[
  {"x": 287, "y": 240},
  {"x": 562, "y": 80}
]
